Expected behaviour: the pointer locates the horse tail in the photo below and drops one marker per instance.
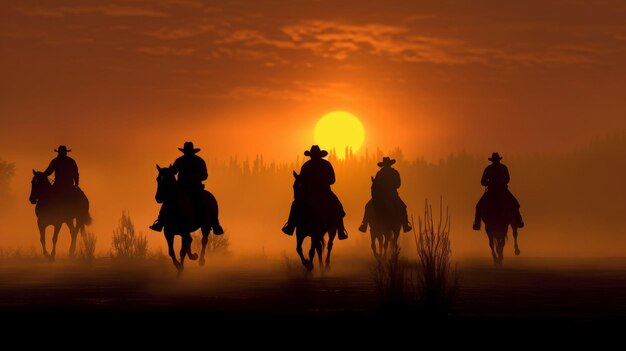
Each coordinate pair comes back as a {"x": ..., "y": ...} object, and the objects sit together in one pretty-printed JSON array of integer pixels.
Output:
[
  {"x": 85, "y": 218},
  {"x": 82, "y": 207}
]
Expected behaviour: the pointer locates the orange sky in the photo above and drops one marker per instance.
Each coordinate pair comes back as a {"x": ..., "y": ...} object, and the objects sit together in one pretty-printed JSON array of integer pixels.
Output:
[{"x": 247, "y": 77}]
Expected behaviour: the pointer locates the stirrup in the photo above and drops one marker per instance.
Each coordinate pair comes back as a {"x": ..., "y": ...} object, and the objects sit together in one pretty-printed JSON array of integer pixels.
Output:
[
  {"x": 288, "y": 229},
  {"x": 156, "y": 226},
  {"x": 363, "y": 227},
  {"x": 342, "y": 234},
  {"x": 218, "y": 230}
]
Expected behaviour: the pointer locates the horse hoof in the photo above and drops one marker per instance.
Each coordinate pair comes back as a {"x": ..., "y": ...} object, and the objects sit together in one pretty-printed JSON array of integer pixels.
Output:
[
  {"x": 517, "y": 252},
  {"x": 193, "y": 256},
  {"x": 327, "y": 268},
  {"x": 202, "y": 261}
]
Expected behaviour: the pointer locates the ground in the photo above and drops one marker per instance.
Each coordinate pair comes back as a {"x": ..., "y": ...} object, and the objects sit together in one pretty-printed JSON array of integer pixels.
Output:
[{"x": 577, "y": 292}]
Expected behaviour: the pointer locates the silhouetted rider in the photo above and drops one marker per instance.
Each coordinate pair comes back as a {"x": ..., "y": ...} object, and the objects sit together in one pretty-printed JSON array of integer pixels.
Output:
[
  {"x": 192, "y": 171},
  {"x": 496, "y": 178},
  {"x": 388, "y": 181},
  {"x": 65, "y": 173},
  {"x": 317, "y": 175}
]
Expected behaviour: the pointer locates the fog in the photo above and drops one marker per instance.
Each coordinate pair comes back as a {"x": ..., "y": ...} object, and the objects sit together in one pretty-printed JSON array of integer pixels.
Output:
[{"x": 572, "y": 203}]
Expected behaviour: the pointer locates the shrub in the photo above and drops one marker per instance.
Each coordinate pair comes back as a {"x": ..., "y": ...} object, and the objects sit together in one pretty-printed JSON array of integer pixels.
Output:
[
  {"x": 392, "y": 280},
  {"x": 87, "y": 247},
  {"x": 127, "y": 244},
  {"x": 437, "y": 281},
  {"x": 217, "y": 244}
]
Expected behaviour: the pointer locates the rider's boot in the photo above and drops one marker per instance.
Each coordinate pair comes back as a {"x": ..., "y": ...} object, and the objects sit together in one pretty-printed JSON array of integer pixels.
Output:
[
  {"x": 477, "y": 220},
  {"x": 157, "y": 226},
  {"x": 406, "y": 226},
  {"x": 217, "y": 229},
  {"x": 342, "y": 233},
  {"x": 290, "y": 226},
  {"x": 364, "y": 222},
  {"x": 518, "y": 217}
]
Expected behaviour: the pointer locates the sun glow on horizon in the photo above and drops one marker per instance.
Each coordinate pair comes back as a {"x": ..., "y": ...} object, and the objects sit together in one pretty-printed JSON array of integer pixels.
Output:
[{"x": 339, "y": 130}]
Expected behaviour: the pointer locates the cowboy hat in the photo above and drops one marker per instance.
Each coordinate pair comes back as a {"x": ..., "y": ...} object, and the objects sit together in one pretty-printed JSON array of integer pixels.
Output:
[
  {"x": 386, "y": 162},
  {"x": 495, "y": 157},
  {"x": 188, "y": 148},
  {"x": 316, "y": 152},
  {"x": 62, "y": 148}
]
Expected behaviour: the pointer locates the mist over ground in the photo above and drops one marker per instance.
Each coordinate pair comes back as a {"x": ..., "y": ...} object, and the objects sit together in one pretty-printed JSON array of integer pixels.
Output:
[{"x": 572, "y": 202}]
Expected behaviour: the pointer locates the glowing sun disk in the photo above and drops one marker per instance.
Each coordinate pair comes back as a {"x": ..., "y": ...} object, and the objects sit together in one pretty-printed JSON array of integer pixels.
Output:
[{"x": 339, "y": 130}]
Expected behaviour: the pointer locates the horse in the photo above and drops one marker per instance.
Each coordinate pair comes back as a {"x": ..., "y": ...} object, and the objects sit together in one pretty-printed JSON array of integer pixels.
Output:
[
  {"x": 498, "y": 217},
  {"x": 53, "y": 210},
  {"x": 314, "y": 221},
  {"x": 385, "y": 221},
  {"x": 182, "y": 219}
]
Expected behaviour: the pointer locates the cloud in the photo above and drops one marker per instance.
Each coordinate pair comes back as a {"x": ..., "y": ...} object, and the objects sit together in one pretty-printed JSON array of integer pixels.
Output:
[
  {"x": 269, "y": 58},
  {"x": 172, "y": 33},
  {"x": 297, "y": 91},
  {"x": 166, "y": 51},
  {"x": 252, "y": 37},
  {"x": 105, "y": 10},
  {"x": 341, "y": 41},
  {"x": 621, "y": 37}
]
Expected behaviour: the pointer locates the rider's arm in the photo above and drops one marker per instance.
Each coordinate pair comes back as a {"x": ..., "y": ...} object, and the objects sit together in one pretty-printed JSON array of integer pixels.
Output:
[
  {"x": 396, "y": 180},
  {"x": 507, "y": 177},
  {"x": 175, "y": 167},
  {"x": 75, "y": 173},
  {"x": 50, "y": 169},
  {"x": 484, "y": 181},
  {"x": 331, "y": 174},
  {"x": 202, "y": 172}
]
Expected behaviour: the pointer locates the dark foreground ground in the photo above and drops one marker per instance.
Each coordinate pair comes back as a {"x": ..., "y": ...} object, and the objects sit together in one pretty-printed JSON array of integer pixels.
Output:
[{"x": 533, "y": 292}]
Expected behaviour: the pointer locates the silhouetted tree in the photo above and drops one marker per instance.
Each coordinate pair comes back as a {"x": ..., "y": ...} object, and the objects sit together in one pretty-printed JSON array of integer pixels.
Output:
[{"x": 7, "y": 170}]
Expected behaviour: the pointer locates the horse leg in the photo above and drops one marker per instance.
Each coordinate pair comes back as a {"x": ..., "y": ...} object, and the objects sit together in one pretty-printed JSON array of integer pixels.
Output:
[
  {"x": 205, "y": 241},
  {"x": 314, "y": 244},
  {"x": 501, "y": 244},
  {"x": 192, "y": 256},
  {"x": 55, "y": 237},
  {"x": 319, "y": 254},
  {"x": 73, "y": 233},
  {"x": 42, "y": 239},
  {"x": 329, "y": 247},
  {"x": 493, "y": 251},
  {"x": 517, "y": 251},
  {"x": 185, "y": 243},
  {"x": 394, "y": 238},
  {"x": 305, "y": 262},
  {"x": 373, "y": 243},
  {"x": 170, "y": 250},
  {"x": 385, "y": 244}
]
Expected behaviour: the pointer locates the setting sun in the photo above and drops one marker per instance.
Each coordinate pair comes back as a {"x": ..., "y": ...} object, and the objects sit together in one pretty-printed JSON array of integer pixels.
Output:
[{"x": 338, "y": 130}]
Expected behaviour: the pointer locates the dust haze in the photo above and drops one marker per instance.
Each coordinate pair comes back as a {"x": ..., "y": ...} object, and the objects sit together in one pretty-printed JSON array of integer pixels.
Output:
[{"x": 572, "y": 202}]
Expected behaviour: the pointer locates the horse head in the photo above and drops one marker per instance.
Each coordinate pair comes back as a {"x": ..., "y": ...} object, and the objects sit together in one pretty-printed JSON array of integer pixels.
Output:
[
  {"x": 166, "y": 183},
  {"x": 375, "y": 189},
  {"x": 298, "y": 187},
  {"x": 40, "y": 187}
]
